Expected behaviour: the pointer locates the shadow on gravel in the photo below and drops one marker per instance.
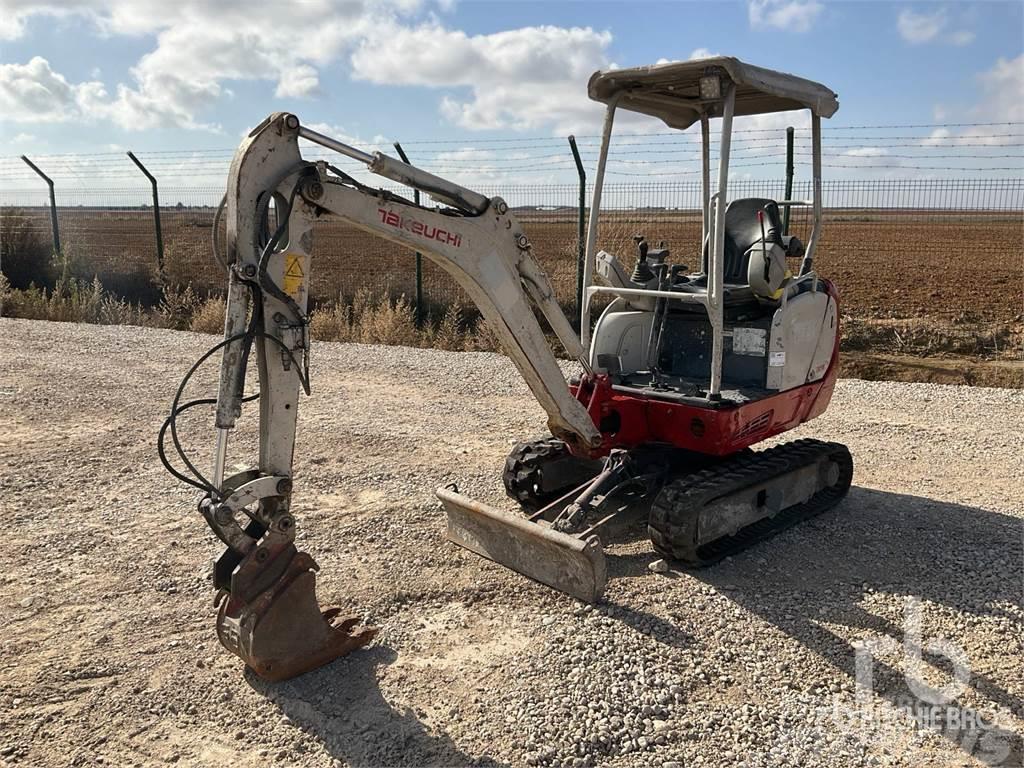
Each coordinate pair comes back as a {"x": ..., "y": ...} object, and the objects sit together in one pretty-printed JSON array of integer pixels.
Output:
[
  {"x": 342, "y": 706},
  {"x": 965, "y": 558}
]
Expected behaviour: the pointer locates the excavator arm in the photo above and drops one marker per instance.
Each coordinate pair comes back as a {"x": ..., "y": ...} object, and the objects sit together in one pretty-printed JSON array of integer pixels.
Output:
[{"x": 268, "y": 612}]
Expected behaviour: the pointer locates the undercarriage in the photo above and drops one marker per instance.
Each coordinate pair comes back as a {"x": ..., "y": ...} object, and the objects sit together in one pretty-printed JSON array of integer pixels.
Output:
[{"x": 701, "y": 509}]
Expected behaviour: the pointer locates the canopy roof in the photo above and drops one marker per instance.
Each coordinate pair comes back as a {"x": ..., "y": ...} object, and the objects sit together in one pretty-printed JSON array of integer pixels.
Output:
[{"x": 671, "y": 91}]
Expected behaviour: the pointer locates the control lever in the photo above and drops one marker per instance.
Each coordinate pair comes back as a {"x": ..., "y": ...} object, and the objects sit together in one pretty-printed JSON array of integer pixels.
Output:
[{"x": 641, "y": 272}]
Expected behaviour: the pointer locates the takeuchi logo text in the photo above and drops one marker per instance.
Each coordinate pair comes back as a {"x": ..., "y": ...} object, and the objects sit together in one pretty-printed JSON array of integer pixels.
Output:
[{"x": 392, "y": 219}]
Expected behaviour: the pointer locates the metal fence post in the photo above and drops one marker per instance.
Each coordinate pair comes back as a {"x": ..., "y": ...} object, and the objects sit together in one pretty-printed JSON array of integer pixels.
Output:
[
  {"x": 156, "y": 216},
  {"x": 581, "y": 231},
  {"x": 53, "y": 204},
  {"x": 420, "y": 314},
  {"x": 789, "y": 179}
]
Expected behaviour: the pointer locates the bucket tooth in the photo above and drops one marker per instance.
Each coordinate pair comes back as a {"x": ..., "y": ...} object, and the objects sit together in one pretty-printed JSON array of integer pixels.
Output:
[{"x": 564, "y": 562}]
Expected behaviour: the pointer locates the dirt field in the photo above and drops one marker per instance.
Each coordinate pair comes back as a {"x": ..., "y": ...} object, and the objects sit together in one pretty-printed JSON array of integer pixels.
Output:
[
  {"x": 109, "y": 654},
  {"x": 949, "y": 266}
]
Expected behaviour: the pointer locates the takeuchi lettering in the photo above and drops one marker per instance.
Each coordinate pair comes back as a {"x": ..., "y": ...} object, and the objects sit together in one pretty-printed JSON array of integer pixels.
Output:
[{"x": 392, "y": 219}]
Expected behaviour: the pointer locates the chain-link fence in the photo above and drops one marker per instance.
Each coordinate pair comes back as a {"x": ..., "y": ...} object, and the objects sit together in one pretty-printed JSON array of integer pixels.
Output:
[{"x": 945, "y": 248}]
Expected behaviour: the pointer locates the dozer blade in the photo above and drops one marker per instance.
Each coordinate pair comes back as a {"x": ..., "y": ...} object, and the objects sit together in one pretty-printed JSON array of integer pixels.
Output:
[
  {"x": 567, "y": 563},
  {"x": 280, "y": 631}
]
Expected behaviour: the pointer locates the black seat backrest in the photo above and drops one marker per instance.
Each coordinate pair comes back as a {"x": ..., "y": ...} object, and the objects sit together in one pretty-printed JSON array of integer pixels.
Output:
[{"x": 742, "y": 230}]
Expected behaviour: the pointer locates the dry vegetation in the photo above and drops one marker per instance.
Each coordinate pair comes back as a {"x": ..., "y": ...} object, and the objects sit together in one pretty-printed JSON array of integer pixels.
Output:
[
  {"x": 39, "y": 285},
  {"x": 365, "y": 318},
  {"x": 888, "y": 264},
  {"x": 910, "y": 286}
]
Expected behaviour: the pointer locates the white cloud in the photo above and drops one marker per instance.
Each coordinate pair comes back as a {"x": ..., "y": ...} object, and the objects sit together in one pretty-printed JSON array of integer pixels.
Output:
[
  {"x": 702, "y": 53},
  {"x": 1002, "y": 101},
  {"x": 867, "y": 152},
  {"x": 789, "y": 15},
  {"x": 1003, "y": 86},
  {"x": 532, "y": 78},
  {"x": 203, "y": 44},
  {"x": 961, "y": 37},
  {"x": 522, "y": 79},
  {"x": 919, "y": 28},
  {"x": 300, "y": 82},
  {"x": 34, "y": 93}
]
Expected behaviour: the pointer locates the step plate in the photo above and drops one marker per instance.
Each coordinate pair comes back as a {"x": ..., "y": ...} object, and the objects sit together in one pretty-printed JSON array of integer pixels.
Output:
[{"x": 566, "y": 563}]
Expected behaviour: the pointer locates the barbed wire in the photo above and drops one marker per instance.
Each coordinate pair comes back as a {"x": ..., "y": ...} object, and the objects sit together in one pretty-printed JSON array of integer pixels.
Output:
[
  {"x": 187, "y": 164},
  {"x": 586, "y": 138},
  {"x": 163, "y": 156},
  {"x": 663, "y": 151},
  {"x": 973, "y": 141},
  {"x": 640, "y": 191}
]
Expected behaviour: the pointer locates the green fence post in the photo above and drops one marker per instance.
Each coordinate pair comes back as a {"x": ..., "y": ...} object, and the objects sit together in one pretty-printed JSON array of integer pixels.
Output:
[
  {"x": 156, "y": 215},
  {"x": 53, "y": 204},
  {"x": 420, "y": 314},
  {"x": 580, "y": 228},
  {"x": 789, "y": 179}
]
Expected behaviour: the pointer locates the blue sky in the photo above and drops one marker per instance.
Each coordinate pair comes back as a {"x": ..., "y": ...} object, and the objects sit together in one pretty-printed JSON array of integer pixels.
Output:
[{"x": 93, "y": 76}]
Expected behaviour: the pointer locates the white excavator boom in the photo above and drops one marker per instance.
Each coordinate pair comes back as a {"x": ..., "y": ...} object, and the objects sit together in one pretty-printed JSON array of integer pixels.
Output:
[{"x": 269, "y": 615}]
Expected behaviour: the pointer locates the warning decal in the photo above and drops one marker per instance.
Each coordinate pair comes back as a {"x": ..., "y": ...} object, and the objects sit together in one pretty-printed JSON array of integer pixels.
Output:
[{"x": 293, "y": 274}]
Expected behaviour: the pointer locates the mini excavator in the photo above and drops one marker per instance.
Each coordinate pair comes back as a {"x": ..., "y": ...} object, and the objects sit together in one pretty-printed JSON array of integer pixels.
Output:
[{"x": 681, "y": 373}]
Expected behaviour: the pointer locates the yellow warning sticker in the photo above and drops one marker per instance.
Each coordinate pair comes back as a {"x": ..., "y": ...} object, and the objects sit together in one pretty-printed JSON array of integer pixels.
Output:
[{"x": 294, "y": 276}]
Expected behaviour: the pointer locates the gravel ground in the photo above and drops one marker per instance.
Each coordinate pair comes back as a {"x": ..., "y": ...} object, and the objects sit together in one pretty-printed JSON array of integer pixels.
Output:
[{"x": 109, "y": 653}]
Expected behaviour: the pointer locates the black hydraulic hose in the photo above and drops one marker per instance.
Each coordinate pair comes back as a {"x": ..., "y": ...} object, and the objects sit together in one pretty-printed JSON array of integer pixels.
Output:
[
  {"x": 203, "y": 483},
  {"x": 167, "y": 423},
  {"x": 200, "y": 480},
  {"x": 256, "y": 317},
  {"x": 264, "y": 279}
]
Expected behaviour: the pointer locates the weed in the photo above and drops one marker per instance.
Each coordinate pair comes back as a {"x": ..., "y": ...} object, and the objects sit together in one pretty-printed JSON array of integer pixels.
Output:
[
  {"x": 178, "y": 306},
  {"x": 209, "y": 316},
  {"x": 24, "y": 256}
]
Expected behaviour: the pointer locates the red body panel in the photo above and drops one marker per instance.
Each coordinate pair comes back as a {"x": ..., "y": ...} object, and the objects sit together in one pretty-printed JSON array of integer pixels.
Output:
[{"x": 714, "y": 431}]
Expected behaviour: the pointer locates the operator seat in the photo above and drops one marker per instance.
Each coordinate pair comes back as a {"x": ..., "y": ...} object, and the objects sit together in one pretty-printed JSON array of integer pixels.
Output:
[
  {"x": 743, "y": 236},
  {"x": 742, "y": 231}
]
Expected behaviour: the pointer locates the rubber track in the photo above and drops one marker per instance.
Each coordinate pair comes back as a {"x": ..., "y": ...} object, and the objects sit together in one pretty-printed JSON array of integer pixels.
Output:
[
  {"x": 676, "y": 510},
  {"x": 523, "y": 466}
]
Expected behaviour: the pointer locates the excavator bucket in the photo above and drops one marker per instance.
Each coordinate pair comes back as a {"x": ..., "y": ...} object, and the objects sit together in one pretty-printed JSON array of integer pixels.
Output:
[
  {"x": 567, "y": 563},
  {"x": 279, "y": 630}
]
